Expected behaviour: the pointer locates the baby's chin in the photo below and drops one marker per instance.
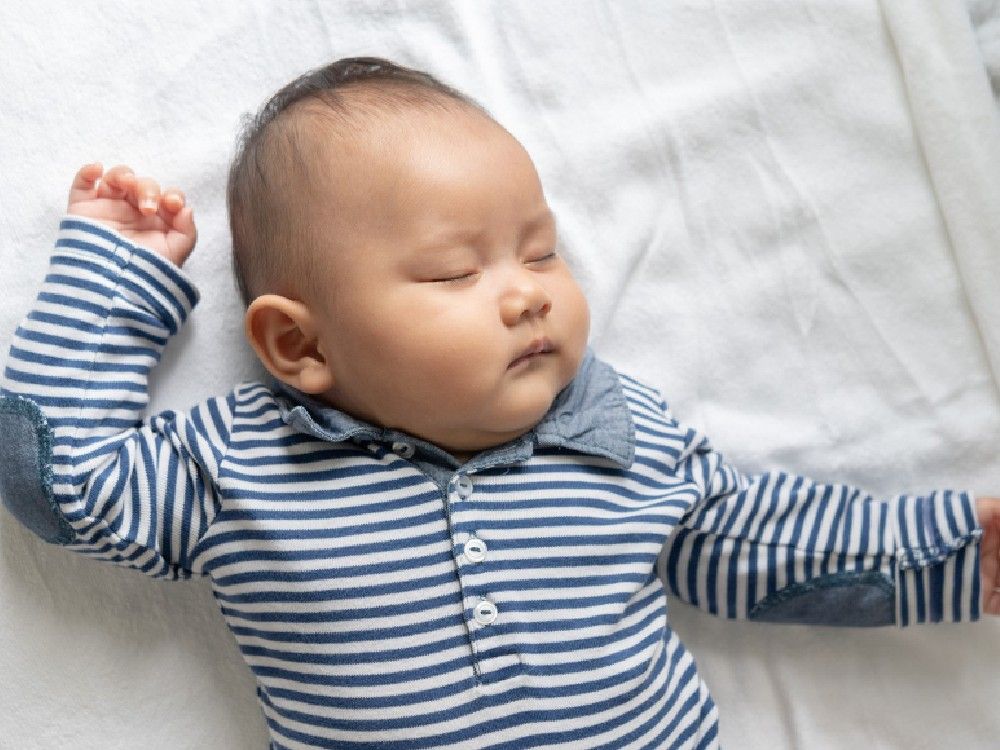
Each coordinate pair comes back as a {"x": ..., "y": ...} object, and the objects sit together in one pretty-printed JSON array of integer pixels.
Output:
[
  {"x": 525, "y": 418},
  {"x": 487, "y": 434},
  {"x": 471, "y": 422}
]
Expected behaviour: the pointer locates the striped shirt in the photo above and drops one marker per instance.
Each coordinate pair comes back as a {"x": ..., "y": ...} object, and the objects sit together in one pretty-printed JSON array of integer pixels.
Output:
[{"x": 386, "y": 596}]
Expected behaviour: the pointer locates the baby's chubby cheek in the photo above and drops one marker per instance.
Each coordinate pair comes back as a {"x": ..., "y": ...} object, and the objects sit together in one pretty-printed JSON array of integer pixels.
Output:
[{"x": 577, "y": 324}]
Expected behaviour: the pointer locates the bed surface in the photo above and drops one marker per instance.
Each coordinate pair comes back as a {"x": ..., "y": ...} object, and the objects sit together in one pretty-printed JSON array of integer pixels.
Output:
[{"x": 784, "y": 216}]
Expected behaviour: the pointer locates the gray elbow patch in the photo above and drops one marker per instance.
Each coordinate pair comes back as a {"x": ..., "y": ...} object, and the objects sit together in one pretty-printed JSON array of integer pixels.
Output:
[
  {"x": 26, "y": 470},
  {"x": 852, "y": 599}
]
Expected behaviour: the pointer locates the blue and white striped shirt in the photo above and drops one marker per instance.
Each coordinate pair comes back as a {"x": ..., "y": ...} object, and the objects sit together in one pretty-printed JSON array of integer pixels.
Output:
[{"x": 385, "y": 595}]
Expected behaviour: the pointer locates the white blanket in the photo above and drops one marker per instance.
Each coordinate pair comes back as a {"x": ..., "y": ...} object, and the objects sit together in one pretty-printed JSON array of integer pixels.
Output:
[{"x": 786, "y": 216}]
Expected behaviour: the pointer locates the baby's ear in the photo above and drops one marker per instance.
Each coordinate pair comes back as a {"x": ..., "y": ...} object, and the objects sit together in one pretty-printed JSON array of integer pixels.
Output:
[{"x": 284, "y": 334}]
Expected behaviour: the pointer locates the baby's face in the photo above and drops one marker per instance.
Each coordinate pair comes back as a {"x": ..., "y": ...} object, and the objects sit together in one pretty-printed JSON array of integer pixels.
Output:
[{"x": 452, "y": 196}]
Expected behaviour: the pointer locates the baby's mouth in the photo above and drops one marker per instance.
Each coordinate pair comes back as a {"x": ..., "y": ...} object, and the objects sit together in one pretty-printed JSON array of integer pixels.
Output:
[{"x": 537, "y": 348}]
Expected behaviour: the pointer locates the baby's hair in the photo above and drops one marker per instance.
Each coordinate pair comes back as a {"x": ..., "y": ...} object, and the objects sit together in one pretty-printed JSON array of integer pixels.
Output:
[{"x": 279, "y": 153}]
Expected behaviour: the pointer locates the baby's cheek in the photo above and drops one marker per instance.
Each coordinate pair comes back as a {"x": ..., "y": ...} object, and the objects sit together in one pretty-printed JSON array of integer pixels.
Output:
[
  {"x": 577, "y": 311},
  {"x": 584, "y": 316}
]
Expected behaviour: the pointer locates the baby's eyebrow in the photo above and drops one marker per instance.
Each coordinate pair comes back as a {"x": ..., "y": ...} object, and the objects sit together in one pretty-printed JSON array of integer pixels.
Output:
[
  {"x": 546, "y": 217},
  {"x": 470, "y": 235},
  {"x": 452, "y": 238}
]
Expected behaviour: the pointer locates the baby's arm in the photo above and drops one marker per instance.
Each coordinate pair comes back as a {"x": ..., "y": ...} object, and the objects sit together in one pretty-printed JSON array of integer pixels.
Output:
[
  {"x": 783, "y": 548},
  {"x": 79, "y": 465}
]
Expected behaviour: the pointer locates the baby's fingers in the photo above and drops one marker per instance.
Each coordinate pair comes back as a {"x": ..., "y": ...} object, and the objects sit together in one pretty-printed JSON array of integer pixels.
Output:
[
  {"x": 83, "y": 186},
  {"x": 184, "y": 223},
  {"x": 116, "y": 182},
  {"x": 146, "y": 193},
  {"x": 179, "y": 218},
  {"x": 173, "y": 200}
]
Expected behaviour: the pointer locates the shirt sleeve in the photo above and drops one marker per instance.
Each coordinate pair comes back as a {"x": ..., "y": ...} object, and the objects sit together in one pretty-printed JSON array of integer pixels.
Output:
[
  {"x": 80, "y": 464},
  {"x": 783, "y": 548}
]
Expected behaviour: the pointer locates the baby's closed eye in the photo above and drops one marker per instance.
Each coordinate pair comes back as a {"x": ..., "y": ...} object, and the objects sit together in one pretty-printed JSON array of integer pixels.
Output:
[{"x": 544, "y": 258}]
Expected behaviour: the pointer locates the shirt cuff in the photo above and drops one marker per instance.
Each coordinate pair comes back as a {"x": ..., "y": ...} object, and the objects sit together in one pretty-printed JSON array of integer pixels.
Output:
[
  {"x": 937, "y": 558},
  {"x": 142, "y": 275}
]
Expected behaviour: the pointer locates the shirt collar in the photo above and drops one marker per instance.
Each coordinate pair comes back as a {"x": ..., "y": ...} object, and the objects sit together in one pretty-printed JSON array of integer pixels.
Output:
[{"x": 590, "y": 415}]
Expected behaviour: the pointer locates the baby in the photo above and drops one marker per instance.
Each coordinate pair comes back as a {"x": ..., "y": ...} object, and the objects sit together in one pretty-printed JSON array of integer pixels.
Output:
[{"x": 443, "y": 522}]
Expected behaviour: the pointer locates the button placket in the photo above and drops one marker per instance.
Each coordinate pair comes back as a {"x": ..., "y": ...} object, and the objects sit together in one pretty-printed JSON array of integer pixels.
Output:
[
  {"x": 503, "y": 664},
  {"x": 460, "y": 488}
]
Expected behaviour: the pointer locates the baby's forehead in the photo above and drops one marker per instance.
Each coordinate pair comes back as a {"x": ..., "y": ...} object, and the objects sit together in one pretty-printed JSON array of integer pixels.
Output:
[
  {"x": 344, "y": 158},
  {"x": 368, "y": 174},
  {"x": 389, "y": 134}
]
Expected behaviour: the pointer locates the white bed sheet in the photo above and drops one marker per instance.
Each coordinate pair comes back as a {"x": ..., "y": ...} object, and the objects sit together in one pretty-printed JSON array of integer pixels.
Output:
[{"x": 784, "y": 215}]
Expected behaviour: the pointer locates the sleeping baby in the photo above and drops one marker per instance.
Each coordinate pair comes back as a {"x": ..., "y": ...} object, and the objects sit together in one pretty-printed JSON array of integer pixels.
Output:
[{"x": 441, "y": 521}]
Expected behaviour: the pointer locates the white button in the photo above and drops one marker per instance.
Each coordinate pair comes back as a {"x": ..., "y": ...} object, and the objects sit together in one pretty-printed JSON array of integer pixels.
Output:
[
  {"x": 486, "y": 612},
  {"x": 475, "y": 549},
  {"x": 463, "y": 485},
  {"x": 403, "y": 449},
  {"x": 372, "y": 446}
]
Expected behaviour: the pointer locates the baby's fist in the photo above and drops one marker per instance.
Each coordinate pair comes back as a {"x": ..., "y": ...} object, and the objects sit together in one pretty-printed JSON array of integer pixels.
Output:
[{"x": 135, "y": 208}]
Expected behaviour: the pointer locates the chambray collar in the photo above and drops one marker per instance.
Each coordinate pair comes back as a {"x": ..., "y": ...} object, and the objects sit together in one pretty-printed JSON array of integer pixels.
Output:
[{"x": 590, "y": 414}]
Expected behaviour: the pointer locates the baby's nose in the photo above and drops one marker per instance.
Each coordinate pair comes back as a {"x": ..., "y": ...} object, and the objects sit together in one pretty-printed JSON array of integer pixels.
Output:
[{"x": 527, "y": 300}]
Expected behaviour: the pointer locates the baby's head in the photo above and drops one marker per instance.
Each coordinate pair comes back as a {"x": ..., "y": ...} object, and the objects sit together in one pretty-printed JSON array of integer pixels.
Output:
[{"x": 394, "y": 248}]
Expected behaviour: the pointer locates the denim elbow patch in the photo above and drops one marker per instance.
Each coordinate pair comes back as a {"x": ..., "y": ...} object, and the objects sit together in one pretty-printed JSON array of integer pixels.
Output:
[
  {"x": 852, "y": 599},
  {"x": 26, "y": 470}
]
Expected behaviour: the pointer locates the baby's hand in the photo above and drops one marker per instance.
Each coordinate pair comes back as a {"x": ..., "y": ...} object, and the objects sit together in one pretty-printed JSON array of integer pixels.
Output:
[
  {"x": 134, "y": 207},
  {"x": 988, "y": 511}
]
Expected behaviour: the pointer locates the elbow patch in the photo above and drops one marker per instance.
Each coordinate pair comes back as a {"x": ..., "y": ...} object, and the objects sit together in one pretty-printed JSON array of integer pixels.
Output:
[
  {"x": 26, "y": 470},
  {"x": 864, "y": 599}
]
